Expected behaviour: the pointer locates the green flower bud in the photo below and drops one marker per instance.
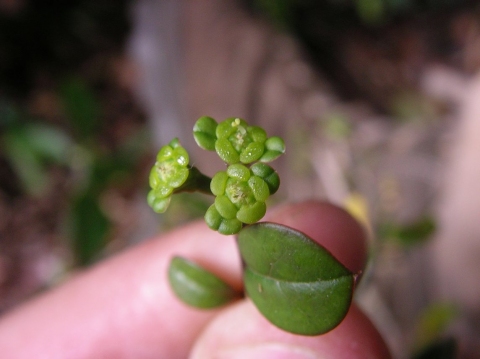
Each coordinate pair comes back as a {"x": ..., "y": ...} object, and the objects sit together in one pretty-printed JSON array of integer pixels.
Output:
[
  {"x": 224, "y": 226},
  {"x": 268, "y": 174},
  {"x": 204, "y": 132},
  {"x": 169, "y": 172},
  {"x": 274, "y": 147},
  {"x": 237, "y": 142},
  {"x": 240, "y": 198}
]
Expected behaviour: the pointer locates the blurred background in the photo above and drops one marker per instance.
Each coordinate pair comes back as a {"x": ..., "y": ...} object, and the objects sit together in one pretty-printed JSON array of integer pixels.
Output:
[{"x": 378, "y": 101}]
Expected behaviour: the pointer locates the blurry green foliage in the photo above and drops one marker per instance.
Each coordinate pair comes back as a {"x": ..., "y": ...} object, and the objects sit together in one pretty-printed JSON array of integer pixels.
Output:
[
  {"x": 337, "y": 126},
  {"x": 81, "y": 106},
  {"x": 371, "y": 11},
  {"x": 90, "y": 228},
  {"x": 279, "y": 12},
  {"x": 408, "y": 235},
  {"x": 286, "y": 13},
  {"x": 32, "y": 148},
  {"x": 433, "y": 322}
]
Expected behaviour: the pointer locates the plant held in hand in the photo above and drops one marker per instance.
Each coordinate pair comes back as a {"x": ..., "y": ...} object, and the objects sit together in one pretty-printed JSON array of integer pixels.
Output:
[{"x": 294, "y": 282}]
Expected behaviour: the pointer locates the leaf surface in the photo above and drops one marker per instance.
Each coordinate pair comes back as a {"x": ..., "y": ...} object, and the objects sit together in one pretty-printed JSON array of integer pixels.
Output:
[
  {"x": 198, "y": 287},
  {"x": 294, "y": 282}
]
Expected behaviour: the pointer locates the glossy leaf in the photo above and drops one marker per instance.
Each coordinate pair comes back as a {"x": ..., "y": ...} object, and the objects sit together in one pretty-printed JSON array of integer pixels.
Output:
[
  {"x": 198, "y": 287},
  {"x": 294, "y": 282}
]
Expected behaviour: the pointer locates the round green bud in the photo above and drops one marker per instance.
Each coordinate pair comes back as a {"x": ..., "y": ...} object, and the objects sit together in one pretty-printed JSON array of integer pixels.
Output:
[
  {"x": 225, "y": 207},
  {"x": 253, "y": 152},
  {"x": 226, "y": 151},
  {"x": 158, "y": 204},
  {"x": 259, "y": 188},
  {"x": 204, "y": 133},
  {"x": 252, "y": 213},
  {"x": 218, "y": 223},
  {"x": 240, "y": 198},
  {"x": 268, "y": 174},
  {"x": 238, "y": 142},
  {"x": 274, "y": 147},
  {"x": 239, "y": 172},
  {"x": 218, "y": 183}
]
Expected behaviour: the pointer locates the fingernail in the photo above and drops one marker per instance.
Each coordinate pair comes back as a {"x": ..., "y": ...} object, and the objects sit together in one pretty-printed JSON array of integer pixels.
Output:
[{"x": 268, "y": 351}]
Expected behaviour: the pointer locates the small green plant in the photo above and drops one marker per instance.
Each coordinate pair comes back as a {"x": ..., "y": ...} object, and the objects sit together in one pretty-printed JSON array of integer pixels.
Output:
[{"x": 294, "y": 282}]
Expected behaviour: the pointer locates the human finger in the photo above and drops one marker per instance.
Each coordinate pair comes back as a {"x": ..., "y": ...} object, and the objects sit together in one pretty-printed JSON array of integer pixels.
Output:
[
  {"x": 241, "y": 331},
  {"x": 123, "y": 307}
]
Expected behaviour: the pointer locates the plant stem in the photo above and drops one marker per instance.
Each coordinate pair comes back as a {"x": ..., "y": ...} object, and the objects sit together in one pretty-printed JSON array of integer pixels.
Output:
[{"x": 196, "y": 182}]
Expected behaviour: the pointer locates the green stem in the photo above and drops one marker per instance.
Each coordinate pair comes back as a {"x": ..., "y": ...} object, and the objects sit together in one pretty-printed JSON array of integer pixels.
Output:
[{"x": 196, "y": 182}]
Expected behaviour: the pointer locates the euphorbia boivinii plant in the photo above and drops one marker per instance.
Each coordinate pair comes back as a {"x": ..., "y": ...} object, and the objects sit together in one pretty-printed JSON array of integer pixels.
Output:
[{"x": 293, "y": 281}]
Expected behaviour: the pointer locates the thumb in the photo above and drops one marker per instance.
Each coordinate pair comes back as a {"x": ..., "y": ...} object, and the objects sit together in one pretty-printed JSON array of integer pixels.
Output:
[{"x": 240, "y": 331}]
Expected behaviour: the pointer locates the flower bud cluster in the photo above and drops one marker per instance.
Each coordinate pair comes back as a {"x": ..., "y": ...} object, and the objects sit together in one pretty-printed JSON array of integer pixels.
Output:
[
  {"x": 169, "y": 173},
  {"x": 240, "y": 191},
  {"x": 237, "y": 142}
]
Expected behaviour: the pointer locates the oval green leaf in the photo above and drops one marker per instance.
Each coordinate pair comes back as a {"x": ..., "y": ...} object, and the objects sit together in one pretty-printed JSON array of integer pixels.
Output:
[
  {"x": 294, "y": 282},
  {"x": 198, "y": 287}
]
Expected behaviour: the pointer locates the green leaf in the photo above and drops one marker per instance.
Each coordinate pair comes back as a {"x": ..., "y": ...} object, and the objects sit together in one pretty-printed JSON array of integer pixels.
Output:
[
  {"x": 204, "y": 132},
  {"x": 198, "y": 287},
  {"x": 294, "y": 282}
]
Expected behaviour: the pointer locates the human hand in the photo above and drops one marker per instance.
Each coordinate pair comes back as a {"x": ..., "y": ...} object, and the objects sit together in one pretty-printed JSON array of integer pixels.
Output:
[{"x": 124, "y": 307}]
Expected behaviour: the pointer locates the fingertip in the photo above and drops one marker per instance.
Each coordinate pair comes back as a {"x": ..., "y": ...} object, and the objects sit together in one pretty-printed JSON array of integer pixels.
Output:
[
  {"x": 241, "y": 330},
  {"x": 331, "y": 226}
]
